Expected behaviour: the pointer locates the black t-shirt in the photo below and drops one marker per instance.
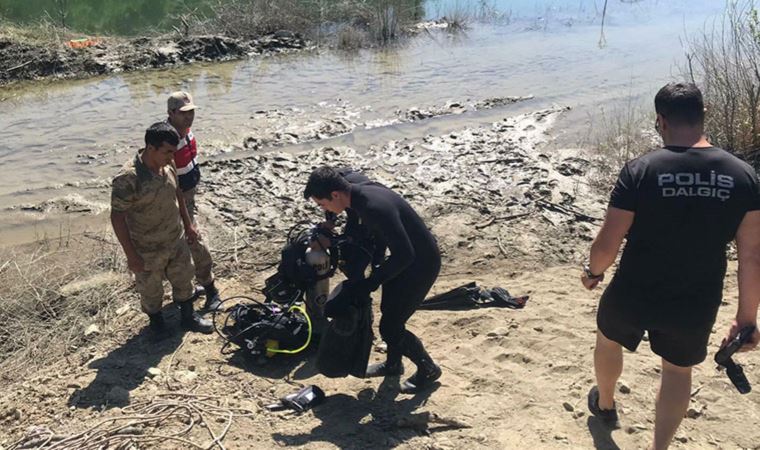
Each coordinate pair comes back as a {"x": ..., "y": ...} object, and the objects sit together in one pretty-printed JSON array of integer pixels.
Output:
[{"x": 688, "y": 204}]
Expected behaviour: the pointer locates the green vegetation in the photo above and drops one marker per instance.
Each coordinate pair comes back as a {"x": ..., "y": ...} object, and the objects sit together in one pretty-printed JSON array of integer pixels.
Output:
[
  {"x": 116, "y": 17},
  {"x": 348, "y": 21},
  {"x": 725, "y": 62},
  {"x": 379, "y": 20},
  {"x": 42, "y": 32}
]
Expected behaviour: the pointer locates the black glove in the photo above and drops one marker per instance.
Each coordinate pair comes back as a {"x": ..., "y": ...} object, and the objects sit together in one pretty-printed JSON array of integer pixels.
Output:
[{"x": 361, "y": 288}]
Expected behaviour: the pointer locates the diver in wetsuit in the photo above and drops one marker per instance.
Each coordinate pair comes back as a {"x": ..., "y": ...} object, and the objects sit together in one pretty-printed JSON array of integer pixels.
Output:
[
  {"x": 406, "y": 275},
  {"x": 362, "y": 249}
]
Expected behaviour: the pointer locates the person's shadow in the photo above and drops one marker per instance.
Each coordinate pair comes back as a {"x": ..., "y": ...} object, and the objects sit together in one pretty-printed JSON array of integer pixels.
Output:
[
  {"x": 601, "y": 434},
  {"x": 126, "y": 367},
  {"x": 345, "y": 423}
]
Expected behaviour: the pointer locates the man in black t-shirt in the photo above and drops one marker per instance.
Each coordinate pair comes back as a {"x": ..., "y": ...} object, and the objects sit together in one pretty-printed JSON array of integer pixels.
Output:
[
  {"x": 406, "y": 275},
  {"x": 678, "y": 207}
]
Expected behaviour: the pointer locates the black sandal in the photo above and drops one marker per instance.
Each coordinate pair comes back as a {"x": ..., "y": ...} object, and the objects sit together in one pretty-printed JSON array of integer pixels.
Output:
[{"x": 608, "y": 416}]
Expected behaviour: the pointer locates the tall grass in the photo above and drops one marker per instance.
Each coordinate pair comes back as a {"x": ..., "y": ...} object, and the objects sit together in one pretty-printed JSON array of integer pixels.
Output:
[
  {"x": 725, "y": 61},
  {"x": 42, "y": 32},
  {"x": 378, "y": 21},
  {"x": 620, "y": 134},
  {"x": 52, "y": 290}
]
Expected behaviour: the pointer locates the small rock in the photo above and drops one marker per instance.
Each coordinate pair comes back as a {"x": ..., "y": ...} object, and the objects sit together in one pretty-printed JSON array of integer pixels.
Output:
[
  {"x": 693, "y": 413},
  {"x": 682, "y": 439},
  {"x": 185, "y": 376},
  {"x": 624, "y": 388},
  {"x": 153, "y": 372},
  {"x": 539, "y": 329},
  {"x": 568, "y": 407},
  {"x": 578, "y": 414},
  {"x": 92, "y": 329},
  {"x": 11, "y": 414}
]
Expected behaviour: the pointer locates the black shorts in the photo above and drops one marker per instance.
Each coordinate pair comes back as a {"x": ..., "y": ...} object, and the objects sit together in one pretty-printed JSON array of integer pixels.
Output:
[{"x": 678, "y": 324}]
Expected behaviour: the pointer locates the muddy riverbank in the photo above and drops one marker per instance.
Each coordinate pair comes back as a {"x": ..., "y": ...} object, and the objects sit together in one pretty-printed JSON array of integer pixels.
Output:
[
  {"x": 68, "y": 138},
  {"x": 508, "y": 211},
  {"x": 33, "y": 61}
]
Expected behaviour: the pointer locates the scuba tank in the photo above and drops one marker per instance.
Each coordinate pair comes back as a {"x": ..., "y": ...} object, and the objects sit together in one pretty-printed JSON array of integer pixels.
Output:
[{"x": 317, "y": 292}]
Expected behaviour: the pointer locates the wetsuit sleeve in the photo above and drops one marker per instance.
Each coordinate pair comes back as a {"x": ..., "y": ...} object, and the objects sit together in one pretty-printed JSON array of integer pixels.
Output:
[
  {"x": 625, "y": 191},
  {"x": 397, "y": 240},
  {"x": 123, "y": 193}
]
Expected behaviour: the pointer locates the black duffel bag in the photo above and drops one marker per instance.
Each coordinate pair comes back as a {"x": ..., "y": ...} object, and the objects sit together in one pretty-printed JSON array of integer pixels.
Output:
[{"x": 346, "y": 344}]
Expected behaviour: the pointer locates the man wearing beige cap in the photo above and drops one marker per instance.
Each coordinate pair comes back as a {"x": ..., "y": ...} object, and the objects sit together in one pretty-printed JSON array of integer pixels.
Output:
[{"x": 181, "y": 111}]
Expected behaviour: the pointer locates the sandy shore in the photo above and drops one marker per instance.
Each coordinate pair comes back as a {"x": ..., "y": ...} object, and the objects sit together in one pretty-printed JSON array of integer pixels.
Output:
[{"x": 507, "y": 213}]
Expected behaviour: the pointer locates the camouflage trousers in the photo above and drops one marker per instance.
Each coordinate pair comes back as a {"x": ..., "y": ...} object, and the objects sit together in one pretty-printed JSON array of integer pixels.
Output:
[
  {"x": 173, "y": 264},
  {"x": 199, "y": 250}
]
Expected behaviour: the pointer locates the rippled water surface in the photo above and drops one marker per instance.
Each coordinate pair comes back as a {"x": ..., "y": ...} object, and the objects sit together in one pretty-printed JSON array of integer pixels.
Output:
[{"x": 62, "y": 137}]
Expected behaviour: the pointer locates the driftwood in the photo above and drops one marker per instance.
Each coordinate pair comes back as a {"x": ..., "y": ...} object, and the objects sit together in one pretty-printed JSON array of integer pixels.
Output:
[
  {"x": 566, "y": 210},
  {"x": 180, "y": 408},
  {"x": 493, "y": 220}
]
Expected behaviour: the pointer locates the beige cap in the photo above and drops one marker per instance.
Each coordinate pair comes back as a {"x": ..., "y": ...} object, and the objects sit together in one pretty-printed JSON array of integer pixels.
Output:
[{"x": 180, "y": 100}]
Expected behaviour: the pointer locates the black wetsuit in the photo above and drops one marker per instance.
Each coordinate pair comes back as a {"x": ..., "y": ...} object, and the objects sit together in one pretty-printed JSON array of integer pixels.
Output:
[
  {"x": 412, "y": 267},
  {"x": 688, "y": 204},
  {"x": 362, "y": 249}
]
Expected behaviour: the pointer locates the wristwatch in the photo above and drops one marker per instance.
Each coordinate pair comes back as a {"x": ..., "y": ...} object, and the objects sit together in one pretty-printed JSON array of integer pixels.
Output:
[{"x": 589, "y": 274}]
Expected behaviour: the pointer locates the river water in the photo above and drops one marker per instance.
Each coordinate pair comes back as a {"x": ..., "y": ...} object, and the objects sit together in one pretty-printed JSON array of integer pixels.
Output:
[{"x": 69, "y": 138}]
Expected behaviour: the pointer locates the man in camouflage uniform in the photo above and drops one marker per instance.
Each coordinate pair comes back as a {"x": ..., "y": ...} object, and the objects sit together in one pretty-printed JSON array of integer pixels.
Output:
[
  {"x": 181, "y": 110},
  {"x": 148, "y": 213}
]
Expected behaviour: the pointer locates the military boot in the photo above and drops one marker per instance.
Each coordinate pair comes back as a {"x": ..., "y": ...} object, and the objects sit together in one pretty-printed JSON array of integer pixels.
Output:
[
  {"x": 213, "y": 302},
  {"x": 192, "y": 321},
  {"x": 157, "y": 323}
]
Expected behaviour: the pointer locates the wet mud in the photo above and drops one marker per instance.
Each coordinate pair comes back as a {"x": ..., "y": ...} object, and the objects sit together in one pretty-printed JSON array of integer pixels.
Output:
[{"x": 27, "y": 61}]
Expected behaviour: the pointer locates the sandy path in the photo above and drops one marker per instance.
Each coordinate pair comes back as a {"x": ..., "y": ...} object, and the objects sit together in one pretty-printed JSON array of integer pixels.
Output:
[{"x": 518, "y": 378}]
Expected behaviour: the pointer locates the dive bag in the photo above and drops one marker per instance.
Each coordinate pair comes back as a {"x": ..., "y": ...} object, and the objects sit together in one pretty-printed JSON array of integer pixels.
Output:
[{"x": 265, "y": 329}]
